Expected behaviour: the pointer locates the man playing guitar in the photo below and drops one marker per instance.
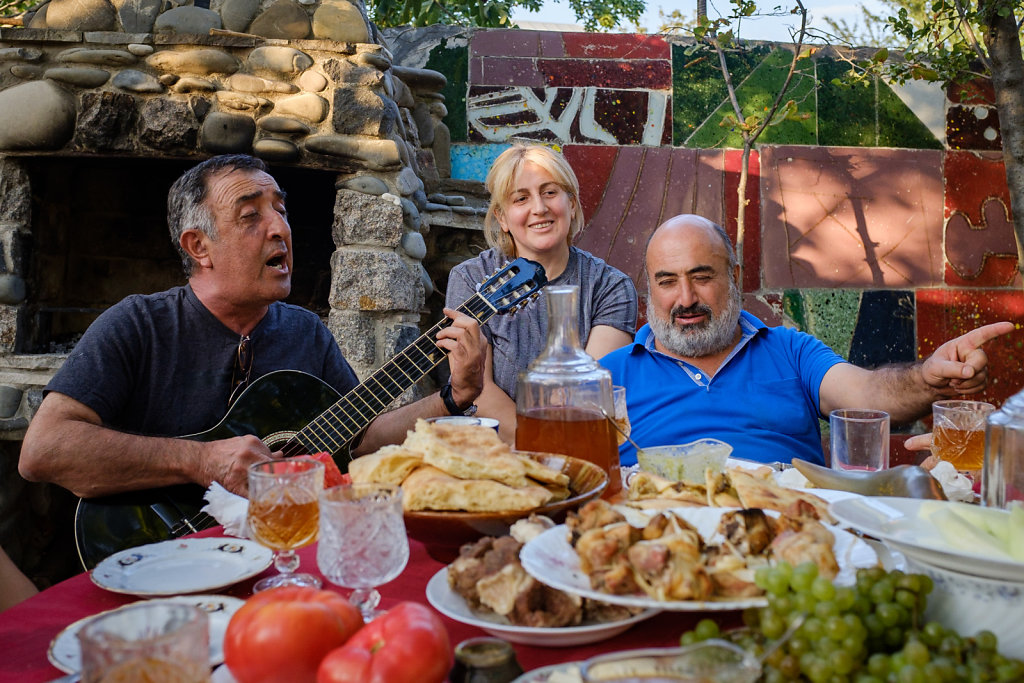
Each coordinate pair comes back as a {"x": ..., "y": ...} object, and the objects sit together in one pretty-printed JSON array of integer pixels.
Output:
[{"x": 155, "y": 367}]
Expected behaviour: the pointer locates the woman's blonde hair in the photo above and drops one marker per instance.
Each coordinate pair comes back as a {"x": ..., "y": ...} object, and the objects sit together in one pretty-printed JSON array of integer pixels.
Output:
[{"x": 501, "y": 180}]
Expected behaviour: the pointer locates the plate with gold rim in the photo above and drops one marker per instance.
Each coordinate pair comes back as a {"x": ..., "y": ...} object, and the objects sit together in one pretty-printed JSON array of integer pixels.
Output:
[
  {"x": 65, "y": 654},
  {"x": 452, "y": 605},
  {"x": 188, "y": 565}
]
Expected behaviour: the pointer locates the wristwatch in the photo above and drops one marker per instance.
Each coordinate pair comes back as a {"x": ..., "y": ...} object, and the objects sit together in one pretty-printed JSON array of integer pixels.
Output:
[{"x": 451, "y": 406}]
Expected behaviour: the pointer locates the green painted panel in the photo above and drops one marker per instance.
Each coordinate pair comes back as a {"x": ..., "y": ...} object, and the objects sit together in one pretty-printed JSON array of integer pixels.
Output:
[
  {"x": 828, "y": 314},
  {"x": 453, "y": 62},
  {"x": 698, "y": 87},
  {"x": 846, "y": 113},
  {"x": 756, "y": 94},
  {"x": 899, "y": 126}
]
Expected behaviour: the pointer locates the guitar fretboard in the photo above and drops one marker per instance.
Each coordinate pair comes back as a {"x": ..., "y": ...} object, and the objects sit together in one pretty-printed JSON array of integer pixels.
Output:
[{"x": 335, "y": 427}]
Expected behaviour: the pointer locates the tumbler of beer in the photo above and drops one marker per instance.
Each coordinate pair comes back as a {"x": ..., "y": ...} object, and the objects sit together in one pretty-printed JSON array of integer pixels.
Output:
[{"x": 958, "y": 432}]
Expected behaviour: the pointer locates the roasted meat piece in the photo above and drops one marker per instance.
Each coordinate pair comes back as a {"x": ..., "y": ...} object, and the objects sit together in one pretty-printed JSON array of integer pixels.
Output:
[
  {"x": 806, "y": 540},
  {"x": 748, "y": 531},
  {"x": 594, "y": 515}
]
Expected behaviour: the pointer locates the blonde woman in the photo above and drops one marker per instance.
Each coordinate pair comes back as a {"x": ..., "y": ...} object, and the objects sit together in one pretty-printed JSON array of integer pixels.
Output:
[{"x": 535, "y": 213}]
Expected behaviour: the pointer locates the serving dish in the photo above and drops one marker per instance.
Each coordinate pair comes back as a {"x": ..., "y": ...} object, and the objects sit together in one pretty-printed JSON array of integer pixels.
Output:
[
  {"x": 451, "y": 604},
  {"x": 443, "y": 533},
  {"x": 551, "y": 559},
  {"x": 969, "y": 604},
  {"x": 66, "y": 654},
  {"x": 192, "y": 565},
  {"x": 904, "y": 524}
]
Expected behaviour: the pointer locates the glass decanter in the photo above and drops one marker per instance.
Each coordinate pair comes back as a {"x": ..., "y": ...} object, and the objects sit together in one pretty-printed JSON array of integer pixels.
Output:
[{"x": 564, "y": 398}]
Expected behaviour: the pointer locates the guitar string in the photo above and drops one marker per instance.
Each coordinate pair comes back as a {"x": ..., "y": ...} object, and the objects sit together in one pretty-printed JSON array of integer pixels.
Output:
[{"x": 294, "y": 446}]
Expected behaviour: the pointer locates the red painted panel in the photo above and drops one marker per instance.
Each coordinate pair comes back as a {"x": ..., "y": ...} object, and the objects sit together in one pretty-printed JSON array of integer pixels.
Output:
[
  {"x": 943, "y": 314},
  {"x": 620, "y": 46},
  {"x": 639, "y": 73}
]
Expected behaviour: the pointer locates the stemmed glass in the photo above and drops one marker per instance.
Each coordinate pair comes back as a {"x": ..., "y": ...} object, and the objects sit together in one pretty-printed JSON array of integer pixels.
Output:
[
  {"x": 284, "y": 514},
  {"x": 362, "y": 540}
]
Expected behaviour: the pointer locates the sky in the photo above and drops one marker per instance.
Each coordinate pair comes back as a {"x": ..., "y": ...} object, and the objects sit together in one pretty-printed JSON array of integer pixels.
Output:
[{"x": 762, "y": 28}]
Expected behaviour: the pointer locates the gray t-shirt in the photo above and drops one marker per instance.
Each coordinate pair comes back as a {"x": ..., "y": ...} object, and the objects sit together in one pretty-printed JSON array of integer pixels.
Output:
[
  {"x": 162, "y": 364},
  {"x": 607, "y": 297}
]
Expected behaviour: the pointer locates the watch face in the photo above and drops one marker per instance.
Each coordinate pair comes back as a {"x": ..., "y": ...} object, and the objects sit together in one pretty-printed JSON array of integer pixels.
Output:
[{"x": 470, "y": 411}]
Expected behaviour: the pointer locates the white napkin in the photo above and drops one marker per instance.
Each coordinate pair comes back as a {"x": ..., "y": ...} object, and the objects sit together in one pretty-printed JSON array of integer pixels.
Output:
[
  {"x": 227, "y": 508},
  {"x": 955, "y": 485}
]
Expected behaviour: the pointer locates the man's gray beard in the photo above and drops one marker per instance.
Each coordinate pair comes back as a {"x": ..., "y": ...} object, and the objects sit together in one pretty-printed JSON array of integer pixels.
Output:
[{"x": 703, "y": 339}]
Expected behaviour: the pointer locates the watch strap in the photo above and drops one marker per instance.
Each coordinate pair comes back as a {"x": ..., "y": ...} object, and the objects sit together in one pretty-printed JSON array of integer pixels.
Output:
[{"x": 451, "y": 406}]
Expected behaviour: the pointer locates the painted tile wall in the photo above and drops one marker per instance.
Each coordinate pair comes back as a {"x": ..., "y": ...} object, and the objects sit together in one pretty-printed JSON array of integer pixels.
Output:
[{"x": 862, "y": 225}]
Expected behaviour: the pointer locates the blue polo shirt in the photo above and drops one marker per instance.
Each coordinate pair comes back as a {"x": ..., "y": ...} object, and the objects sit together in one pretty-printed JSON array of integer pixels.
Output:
[{"x": 763, "y": 400}]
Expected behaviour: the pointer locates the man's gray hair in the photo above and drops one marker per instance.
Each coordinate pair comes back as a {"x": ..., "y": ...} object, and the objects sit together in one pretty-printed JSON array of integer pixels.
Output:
[{"x": 186, "y": 201}]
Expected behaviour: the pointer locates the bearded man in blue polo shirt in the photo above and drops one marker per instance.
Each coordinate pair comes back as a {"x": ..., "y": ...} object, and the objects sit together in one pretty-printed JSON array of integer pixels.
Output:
[{"x": 702, "y": 367}]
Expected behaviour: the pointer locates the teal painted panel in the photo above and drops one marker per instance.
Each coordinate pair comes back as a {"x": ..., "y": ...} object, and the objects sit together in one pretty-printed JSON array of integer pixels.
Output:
[
  {"x": 453, "y": 62},
  {"x": 698, "y": 87},
  {"x": 471, "y": 162},
  {"x": 755, "y": 95}
]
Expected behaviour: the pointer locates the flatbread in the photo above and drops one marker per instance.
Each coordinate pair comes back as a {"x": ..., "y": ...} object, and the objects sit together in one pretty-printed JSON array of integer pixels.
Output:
[
  {"x": 646, "y": 485},
  {"x": 541, "y": 472},
  {"x": 430, "y": 437},
  {"x": 721, "y": 493},
  {"x": 754, "y": 492},
  {"x": 389, "y": 465},
  {"x": 429, "y": 488}
]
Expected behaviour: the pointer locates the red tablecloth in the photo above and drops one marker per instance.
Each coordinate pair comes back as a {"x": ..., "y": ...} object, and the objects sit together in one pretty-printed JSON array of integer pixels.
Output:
[{"x": 27, "y": 629}]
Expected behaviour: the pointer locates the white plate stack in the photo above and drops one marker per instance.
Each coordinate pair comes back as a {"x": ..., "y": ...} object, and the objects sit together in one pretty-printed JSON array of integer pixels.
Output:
[{"x": 976, "y": 589}]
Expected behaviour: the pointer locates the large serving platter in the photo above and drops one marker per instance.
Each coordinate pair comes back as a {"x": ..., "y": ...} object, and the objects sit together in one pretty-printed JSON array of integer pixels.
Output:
[
  {"x": 904, "y": 523},
  {"x": 66, "y": 654},
  {"x": 451, "y": 604},
  {"x": 193, "y": 565},
  {"x": 550, "y": 558}
]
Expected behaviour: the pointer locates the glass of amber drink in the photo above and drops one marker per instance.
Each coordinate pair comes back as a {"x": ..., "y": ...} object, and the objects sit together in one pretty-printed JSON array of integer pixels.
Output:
[
  {"x": 958, "y": 432},
  {"x": 284, "y": 514},
  {"x": 161, "y": 642}
]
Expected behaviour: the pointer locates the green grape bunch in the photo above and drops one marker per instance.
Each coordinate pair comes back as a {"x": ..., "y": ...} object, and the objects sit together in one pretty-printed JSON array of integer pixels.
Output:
[{"x": 871, "y": 632}]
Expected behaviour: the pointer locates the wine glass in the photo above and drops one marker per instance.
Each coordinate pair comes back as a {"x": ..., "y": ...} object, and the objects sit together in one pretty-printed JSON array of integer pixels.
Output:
[
  {"x": 362, "y": 540},
  {"x": 284, "y": 514},
  {"x": 621, "y": 415}
]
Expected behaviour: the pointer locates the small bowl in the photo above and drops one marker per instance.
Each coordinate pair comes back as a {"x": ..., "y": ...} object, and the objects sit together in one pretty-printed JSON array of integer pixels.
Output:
[
  {"x": 970, "y": 604},
  {"x": 685, "y": 462},
  {"x": 443, "y": 533}
]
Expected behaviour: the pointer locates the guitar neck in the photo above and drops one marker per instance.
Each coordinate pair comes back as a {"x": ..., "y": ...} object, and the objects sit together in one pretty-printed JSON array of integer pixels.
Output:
[{"x": 333, "y": 429}]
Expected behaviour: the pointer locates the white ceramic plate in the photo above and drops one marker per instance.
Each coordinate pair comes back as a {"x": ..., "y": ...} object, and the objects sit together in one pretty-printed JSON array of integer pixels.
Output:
[
  {"x": 191, "y": 565},
  {"x": 554, "y": 673},
  {"x": 904, "y": 523},
  {"x": 451, "y": 604},
  {"x": 66, "y": 655},
  {"x": 550, "y": 558}
]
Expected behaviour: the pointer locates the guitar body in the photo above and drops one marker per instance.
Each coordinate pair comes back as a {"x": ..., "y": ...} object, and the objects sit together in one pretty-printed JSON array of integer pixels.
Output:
[
  {"x": 292, "y": 412},
  {"x": 274, "y": 407}
]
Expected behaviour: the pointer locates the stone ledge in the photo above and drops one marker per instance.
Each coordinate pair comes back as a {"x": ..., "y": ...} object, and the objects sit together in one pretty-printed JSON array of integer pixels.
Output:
[
  {"x": 117, "y": 37},
  {"x": 447, "y": 218},
  {"x": 40, "y": 35}
]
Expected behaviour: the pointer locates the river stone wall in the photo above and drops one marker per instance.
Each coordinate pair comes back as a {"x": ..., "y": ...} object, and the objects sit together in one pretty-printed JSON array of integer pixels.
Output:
[{"x": 342, "y": 107}]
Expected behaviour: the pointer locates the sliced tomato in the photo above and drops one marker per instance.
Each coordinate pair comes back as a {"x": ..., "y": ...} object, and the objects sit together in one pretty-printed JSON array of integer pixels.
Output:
[{"x": 332, "y": 475}]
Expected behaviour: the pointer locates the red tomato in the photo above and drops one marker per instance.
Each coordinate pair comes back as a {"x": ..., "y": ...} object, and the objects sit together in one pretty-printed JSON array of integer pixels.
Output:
[
  {"x": 332, "y": 475},
  {"x": 283, "y": 633},
  {"x": 408, "y": 644}
]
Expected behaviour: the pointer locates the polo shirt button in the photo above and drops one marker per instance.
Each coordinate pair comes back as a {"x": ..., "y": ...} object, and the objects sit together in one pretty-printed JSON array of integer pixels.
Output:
[{"x": 697, "y": 376}]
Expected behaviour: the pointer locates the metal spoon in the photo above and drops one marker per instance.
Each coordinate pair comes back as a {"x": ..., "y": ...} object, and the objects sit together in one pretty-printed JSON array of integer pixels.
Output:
[{"x": 902, "y": 481}]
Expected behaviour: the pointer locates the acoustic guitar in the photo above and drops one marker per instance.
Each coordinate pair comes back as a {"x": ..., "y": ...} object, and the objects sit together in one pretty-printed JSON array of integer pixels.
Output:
[{"x": 293, "y": 412}]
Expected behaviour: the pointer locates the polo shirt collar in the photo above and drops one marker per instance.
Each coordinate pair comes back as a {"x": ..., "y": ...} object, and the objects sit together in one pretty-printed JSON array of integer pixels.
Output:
[{"x": 750, "y": 326}]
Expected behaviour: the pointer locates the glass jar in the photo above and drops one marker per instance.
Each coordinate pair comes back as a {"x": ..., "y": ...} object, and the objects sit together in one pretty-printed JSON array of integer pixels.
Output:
[
  {"x": 484, "y": 660},
  {"x": 564, "y": 398},
  {"x": 1002, "y": 479}
]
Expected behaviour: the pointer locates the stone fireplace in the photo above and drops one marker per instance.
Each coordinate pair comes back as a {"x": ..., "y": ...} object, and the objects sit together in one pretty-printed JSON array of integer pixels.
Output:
[{"x": 103, "y": 104}]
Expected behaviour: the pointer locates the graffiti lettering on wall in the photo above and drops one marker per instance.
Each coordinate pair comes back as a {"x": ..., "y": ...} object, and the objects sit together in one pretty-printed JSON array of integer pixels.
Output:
[{"x": 581, "y": 115}]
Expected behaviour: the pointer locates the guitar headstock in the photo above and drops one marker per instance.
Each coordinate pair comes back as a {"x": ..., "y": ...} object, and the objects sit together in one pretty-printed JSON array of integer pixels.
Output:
[{"x": 512, "y": 287}]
